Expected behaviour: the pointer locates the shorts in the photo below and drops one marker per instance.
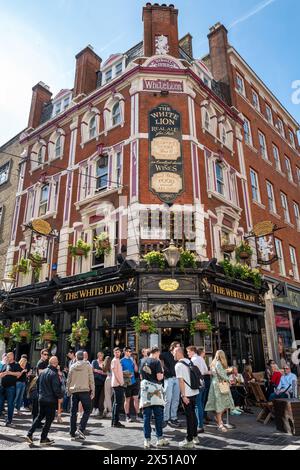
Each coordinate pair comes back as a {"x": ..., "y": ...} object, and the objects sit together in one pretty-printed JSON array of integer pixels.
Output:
[{"x": 132, "y": 390}]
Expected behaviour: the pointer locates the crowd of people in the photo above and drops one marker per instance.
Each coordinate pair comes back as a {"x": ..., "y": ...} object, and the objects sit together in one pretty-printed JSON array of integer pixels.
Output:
[{"x": 155, "y": 387}]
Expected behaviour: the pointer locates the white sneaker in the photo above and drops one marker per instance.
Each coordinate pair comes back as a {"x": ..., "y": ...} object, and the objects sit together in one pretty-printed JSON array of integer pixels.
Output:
[
  {"x": 162, "y": 442},
  {"x": 128, "y": 419},
  {"x": 196, "y": 441},
  {"x": 186, "y": 444},
  {"x": 147, "y": 443}
]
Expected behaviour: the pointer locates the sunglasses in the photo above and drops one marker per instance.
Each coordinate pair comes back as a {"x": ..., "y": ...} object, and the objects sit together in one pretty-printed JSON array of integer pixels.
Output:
[{"x": 46, "y": 354}]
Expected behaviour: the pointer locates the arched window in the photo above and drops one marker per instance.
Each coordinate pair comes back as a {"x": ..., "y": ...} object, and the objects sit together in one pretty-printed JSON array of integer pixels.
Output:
[
  {"x": 58, "y": 147},
  {"x": 116, "y": 114},
  {"x": 92, "y": 127}
]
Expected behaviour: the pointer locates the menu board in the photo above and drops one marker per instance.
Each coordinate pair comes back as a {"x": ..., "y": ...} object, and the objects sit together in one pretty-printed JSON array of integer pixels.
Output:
[
  {"x": 165, "y": 148},
  {"x": 131, "y": 340}
]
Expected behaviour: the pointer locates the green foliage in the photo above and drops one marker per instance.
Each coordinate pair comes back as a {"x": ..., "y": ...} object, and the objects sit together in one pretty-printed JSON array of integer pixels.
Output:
[
  {"x": 102, "y": 244},
  {"x": 242, "y": 272},
  {"x": 187, "y": 259},
  {"x": 155, "y": 258},
  {"x": 201, "y": 318},
  {"x": 80, "y": 333},
  {"x": 80, "y": 249},
  {"x": 142, "y": 320},
  {"x": 243, "y": 247},
  {"x": 47, "y": 328},
  {"x": 18, "y": 328},
  {"x": 23, "y": 266}
]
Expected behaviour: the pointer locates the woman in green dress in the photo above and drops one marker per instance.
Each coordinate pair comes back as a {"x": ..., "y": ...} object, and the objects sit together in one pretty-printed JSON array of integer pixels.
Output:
[{"x": 217, "y": 401}]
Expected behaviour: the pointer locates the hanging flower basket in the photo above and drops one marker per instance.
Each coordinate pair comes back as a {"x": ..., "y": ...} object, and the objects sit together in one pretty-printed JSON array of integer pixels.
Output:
[
  {"x": 143, "y": 323},
  {"x": 21, "y": 331},
  {"x": 47, "y": 331},
  {"x": 243, "y": 251},
  {"x": 80, "y": 333},
  {"x": 80, "y": 249},
  {"x": 244, "y": 255},
  {"x": 24, "y": 334},
  {"x": 144, "y": 328},
  {"x": 227, "y": 248},
  {"x": 202, "y": 322},
  {"x": 102, "y": 244}
]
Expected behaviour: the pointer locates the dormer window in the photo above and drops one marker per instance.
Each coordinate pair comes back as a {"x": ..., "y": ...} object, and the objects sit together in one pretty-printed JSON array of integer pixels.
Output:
[
  {"x": 66, "y": 103},
  {"x": 92, "y": 128},
  {"x": 57, "y": 108},
  {"x": 118, "y": 69},
  {"x": 108, "y": 75}
]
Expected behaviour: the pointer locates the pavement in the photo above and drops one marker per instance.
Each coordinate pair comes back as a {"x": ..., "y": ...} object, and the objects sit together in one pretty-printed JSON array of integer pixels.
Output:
[{"x": 248, "y": 435}]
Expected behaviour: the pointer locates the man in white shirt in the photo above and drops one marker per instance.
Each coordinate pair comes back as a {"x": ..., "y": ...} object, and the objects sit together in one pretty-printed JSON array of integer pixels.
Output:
[
  {"x": 188, "y": 397},
  {"x": 200, "y": 363}
]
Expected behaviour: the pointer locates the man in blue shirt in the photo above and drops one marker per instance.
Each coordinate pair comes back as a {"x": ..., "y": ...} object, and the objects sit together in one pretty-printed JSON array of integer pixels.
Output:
[
  {"x": 287, "y": 387},
  {"x": 130, "y": 367}
]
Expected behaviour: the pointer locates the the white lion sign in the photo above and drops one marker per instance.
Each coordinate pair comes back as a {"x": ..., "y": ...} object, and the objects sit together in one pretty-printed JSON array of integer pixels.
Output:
[{"x": 162, "y": 45}]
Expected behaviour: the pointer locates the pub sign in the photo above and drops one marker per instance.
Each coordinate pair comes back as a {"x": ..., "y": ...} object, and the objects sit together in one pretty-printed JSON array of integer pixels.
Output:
[{"x": 165, "y": 148}]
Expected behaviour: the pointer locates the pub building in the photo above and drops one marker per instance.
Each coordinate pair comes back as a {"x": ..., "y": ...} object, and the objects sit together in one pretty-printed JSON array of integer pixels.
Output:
[
  {"x": 109, "y": 299},
  {"x": 145, "y": 148}
]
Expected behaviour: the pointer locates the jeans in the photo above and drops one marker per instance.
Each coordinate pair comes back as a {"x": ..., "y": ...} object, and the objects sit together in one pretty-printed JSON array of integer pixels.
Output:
[
  {"x": 46, "y": 410},
  {"x": 118, "y": 403},
  {"x": 200, "y": 407},
  {"x": 158, "y": 412},
  {"x": 85, "y": 399},
  {"x": 171, "y": 387},
  {"x": 275, "y": 396},
  {"x": 191, "y": 418},
  {"x": 20, "y": 389},
  {"x": 99, "y": 396},
  {"x": 9, "y": 394}
]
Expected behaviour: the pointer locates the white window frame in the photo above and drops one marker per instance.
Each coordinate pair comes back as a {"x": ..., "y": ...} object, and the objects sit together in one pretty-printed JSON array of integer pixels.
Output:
[
  {"x": 1, "y": 214},
  {"x": 43, "y": 203},
  {"x": 220, "y": 181},
  {"x": 272, "y": 198},
  {"x": 118, "y": 168},
  {"x": 118, "y": 69},
  {"x": 288, "y": 168},
  {"x": 292, "y": 138},
  {"x": 263, "y": 150},
  {"x": 276, "y": 158},
  {"x": 285, "y": 207},
  {"x": 116, "y": 117},
  {"x": 298, "y": 175},
  {"x": 92, "y": 129},
  {"x": 4, "y": 170},
  {"x": 108, "y": 75},
  {"x": 281, "y": 263},
  {"x": 254, "y": 189},
  {"x": 247, "y": 125},
  {"x": 58, "y": 146},
  {"x": 240, "y": 84},
  {"x": 99, "y": 177},
  {"x": 294, "y": 262},
  {"x": 255, "y": 100},
  {"x": 269, "y": 114},
  {"x": 281, "y": 127}
]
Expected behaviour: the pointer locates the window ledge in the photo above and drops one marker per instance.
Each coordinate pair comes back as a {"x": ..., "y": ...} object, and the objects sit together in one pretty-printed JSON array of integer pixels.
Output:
[
  {"x": 39, "y": 167},
  {"x": 275, "y": 215},
  {"x": 267, "y": 161},
  {"x": 280, "y": 172},
  {"x": 95, "y": 197},
  {"x": 53, "y": 159},
  {"x": 82, "y": 144},
  {"x": 111, "y": 128},
  {"x": 259, "y": 204},
  {"x": 223, "y": 199},
  {"x": 253, "y": 149},
  {"x": 289, "y": 224},
  {"x": 46, "y": 216}
]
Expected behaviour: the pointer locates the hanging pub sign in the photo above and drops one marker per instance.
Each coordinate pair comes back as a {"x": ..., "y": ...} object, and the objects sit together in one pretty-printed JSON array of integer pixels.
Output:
[
  {"x": 165, "y": 148},
  {"x": 265, "y": 242}
]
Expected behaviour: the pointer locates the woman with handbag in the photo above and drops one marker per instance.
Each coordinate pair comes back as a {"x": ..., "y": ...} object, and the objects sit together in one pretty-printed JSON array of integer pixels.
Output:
[{"x": 219, "y": 398}]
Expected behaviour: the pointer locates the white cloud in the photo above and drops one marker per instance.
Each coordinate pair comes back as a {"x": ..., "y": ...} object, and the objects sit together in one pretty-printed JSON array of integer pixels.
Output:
[
  {"x": 26, "y": 59},
  {"x": 256, "y": 9}
]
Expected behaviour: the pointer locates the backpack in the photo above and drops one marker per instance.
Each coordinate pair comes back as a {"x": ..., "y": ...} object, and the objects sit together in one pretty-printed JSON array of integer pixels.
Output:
[{"x": 196, "y": 378}]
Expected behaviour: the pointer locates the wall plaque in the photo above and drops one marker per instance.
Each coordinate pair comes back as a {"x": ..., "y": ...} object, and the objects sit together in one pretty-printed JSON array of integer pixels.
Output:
[{"x": 165, "y": 148}]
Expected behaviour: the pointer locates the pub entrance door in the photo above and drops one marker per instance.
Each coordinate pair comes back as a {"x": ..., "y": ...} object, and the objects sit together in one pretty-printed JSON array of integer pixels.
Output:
[{"x": 168, "y": 335}]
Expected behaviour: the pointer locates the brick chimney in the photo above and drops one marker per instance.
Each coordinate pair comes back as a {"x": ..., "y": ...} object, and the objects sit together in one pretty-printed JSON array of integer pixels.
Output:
[
  {"x": 186, "y": 43},
  {"x": 41, "y": 95},
  {"x": 87, "y": 65},
  {"x": 219, "y": 60},
  {"x": 160, "y": 20}
]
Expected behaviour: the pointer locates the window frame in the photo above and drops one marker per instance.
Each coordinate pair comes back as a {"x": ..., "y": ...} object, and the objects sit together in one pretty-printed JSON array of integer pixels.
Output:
[
  {"x": 248, "y": 124},
  {"x": 281, "y": 127},
  {"x": 92, "y": 128},
  {"x": 281, "y": 263},
  {"x": 255, "y": 100},
  {"x": 44, "y": 202},
  {"x": 240, "y": 81},
  {"x": 273, "y": 209},
  {"x": 4, "y": 170},
  {"x": 116, "y": 118},
  {"x": 285, "y": 207},
  {"x": 288, "y": 167},
  {"x": 294, "y": 261},
  {"x": 99, "y": 177},
  {"x": 257, "y": 190},
  {"x": 269, "y": 114},
  {"x": 263, "y": 149},
  {"x": 276, "y": 160},
  {"x": 108, "y": 73},
  {"x": 220, "y": 182}
]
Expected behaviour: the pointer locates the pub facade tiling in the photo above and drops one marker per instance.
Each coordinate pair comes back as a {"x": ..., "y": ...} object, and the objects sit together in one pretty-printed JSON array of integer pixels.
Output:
[{"x": 150, "y": 146}]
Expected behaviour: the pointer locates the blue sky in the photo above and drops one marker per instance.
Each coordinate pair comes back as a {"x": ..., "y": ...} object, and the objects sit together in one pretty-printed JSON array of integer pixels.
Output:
[{"x": 39, "y": 41}]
